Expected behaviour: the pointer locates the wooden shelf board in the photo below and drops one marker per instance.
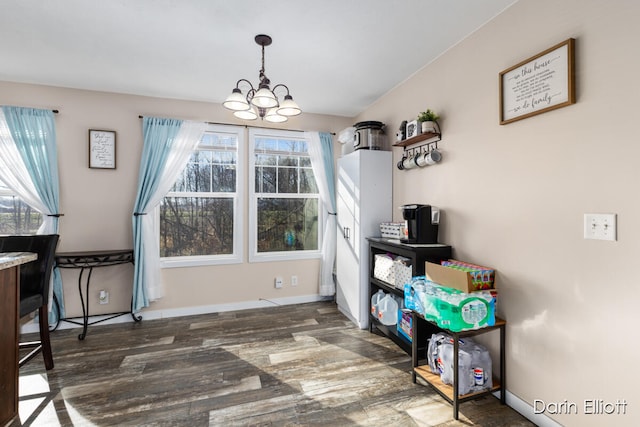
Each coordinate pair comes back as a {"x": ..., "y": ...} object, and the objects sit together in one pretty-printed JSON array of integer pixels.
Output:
[
  {"x": 434, "y": 379},
  {"x": 416, "y": 139},
  {"x": 387, "y": 286},
  {"x": 499, "y": 323}
]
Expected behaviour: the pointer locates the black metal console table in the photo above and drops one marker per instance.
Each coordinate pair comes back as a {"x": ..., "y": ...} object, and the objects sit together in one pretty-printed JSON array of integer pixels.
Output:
[{"x": 87, "y": 261}]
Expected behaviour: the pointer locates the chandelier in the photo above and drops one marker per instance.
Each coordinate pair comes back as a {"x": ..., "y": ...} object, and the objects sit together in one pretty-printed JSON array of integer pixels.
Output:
[{"x": 263, "y": 101}]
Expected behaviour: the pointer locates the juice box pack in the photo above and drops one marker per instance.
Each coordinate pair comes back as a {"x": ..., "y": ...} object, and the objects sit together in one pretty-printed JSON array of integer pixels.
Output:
[{"x": 481, "y": 277}]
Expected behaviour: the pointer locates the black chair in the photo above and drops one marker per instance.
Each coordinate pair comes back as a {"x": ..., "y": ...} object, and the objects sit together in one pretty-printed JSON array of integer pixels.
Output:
[{"x": 34, "y": 287}]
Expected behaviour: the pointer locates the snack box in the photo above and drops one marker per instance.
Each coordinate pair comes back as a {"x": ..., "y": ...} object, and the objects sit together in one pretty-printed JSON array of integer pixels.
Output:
[
  {"x": 483, "y": 277},
  {"x": 464, "y": 280}
]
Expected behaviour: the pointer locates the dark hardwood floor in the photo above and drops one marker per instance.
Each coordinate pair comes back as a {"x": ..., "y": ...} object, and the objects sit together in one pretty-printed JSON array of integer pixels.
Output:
[{"x": 282, "y": 366}]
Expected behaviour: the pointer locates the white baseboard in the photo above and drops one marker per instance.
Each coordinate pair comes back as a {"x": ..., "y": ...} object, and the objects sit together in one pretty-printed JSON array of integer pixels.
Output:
[
  {"x": 219, "y": 308},
  {"x": 32, "y": 326},
  {"x": 526, "y": 410}
]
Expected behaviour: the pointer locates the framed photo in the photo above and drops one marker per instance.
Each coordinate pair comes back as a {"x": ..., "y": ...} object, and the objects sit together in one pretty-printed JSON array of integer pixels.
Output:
[
  {"x": 412, "y": 129},
  {"x": 102, "y": 149},
  {"x": 539, "y": 84}
]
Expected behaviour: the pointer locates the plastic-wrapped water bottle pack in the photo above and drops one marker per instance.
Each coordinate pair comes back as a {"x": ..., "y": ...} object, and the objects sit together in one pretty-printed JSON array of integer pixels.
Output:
[{"x": 474, "y": 363}]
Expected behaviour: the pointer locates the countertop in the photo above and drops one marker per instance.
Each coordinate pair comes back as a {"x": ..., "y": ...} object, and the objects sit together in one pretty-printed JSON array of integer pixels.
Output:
[
  {"x": 11, "y": 259},
  {"x": 397, "y": 242}
]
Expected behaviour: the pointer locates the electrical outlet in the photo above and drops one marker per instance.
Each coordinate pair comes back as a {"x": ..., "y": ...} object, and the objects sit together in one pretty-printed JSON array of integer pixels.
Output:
[
  {"x": 600, "y": 226},
  {"x": 103, "y": 297},
  {"x": 278, "y": 282},
  {"x": 294, "y": 280}
]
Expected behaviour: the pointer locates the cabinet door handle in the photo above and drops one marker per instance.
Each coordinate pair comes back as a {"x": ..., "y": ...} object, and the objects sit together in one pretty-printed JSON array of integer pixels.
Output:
[{"x": 345, "y": 232}]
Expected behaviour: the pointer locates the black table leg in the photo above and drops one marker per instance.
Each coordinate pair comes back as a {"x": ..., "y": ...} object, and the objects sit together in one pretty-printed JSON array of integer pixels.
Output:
[
  {"x": 85, "y": 306},
  {"x": 503, "y": 368},
  {"x": 456, "y": 386}
]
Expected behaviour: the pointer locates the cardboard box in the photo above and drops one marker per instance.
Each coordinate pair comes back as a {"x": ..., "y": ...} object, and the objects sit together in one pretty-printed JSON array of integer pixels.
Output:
[
  {"x": 405, "y": 323},
  {"x": 482, "y": 277},
  {"x": 451, "y": 278}
]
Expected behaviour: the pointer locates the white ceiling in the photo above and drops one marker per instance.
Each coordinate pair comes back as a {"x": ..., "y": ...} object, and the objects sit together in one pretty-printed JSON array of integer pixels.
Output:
[{"x": 336, "y": 56}]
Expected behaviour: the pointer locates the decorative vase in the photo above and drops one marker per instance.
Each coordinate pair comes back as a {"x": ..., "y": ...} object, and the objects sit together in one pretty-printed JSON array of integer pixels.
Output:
[{"x": 428, "y": 127}]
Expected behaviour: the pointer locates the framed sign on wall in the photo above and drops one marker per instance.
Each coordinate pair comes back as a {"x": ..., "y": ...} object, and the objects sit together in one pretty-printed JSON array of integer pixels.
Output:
[
  {"x": 412, "y": 129},
  {"x": 539, "y": 84},
  {"x": 102, "y": 149}
]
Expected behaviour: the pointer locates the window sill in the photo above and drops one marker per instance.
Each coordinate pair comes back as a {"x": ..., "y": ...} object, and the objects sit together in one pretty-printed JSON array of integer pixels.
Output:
[
  {"x": 284, "y": 256},
  {"x": 198, "y": 261}
]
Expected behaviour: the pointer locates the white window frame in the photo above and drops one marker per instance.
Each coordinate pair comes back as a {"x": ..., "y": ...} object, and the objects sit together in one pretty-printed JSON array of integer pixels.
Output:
[
  {"x": 238, "y": 207},
  {"x": 254, "y": 256}
]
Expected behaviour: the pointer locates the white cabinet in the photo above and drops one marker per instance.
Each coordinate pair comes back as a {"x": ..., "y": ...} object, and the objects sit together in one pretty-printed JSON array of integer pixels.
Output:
[{"x": 364, "y": 200}]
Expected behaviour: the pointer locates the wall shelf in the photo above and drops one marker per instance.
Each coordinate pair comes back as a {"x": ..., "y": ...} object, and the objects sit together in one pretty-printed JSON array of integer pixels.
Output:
[
  {"x": 418, "y": 138},
  {"x": 417, "y": 146}
]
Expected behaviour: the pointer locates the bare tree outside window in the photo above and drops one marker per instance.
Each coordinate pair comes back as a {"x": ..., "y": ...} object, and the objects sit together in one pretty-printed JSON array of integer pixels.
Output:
[
  {"x": 197, "y": 217},
  {"x": 17, "y": 217},
  {"x": 194, "y": 226},
  {"x": 287, "y": 224}
]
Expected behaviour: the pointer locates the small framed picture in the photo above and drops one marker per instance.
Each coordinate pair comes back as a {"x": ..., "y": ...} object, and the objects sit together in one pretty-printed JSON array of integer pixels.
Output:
[
  {"x": 102, "y": 149},
  {"x": 412, "y": 129}
]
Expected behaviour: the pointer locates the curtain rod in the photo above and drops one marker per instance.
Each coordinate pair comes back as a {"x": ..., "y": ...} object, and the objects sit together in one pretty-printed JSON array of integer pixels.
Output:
[
  {"x": 247, "y": 126},
  {"x": 55, "y": 111}
]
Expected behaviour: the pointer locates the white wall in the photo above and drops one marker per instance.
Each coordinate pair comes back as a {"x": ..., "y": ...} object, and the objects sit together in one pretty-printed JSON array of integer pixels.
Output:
[
  {"x": 514, "y": 196},
  {"x": 97, "y": 204}
]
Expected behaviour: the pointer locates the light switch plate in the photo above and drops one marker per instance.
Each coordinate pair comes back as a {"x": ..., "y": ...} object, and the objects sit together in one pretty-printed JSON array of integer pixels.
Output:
[{"x": 600, "y": 226}]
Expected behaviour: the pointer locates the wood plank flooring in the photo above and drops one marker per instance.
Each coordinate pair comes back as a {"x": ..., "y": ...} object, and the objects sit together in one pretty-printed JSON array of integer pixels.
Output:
[{"x": 302, "y": 365}]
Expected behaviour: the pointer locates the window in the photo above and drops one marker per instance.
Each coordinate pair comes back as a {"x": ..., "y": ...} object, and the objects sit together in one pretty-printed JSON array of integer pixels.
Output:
[
  {"x": 284, "y": 211},
  {"x": 200, "y": 219},
  {"x": 17, "y": 217}
]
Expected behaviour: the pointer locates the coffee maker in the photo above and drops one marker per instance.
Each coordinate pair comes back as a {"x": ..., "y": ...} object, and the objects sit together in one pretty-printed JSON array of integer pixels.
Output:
[{"x": 420, "y": 223}]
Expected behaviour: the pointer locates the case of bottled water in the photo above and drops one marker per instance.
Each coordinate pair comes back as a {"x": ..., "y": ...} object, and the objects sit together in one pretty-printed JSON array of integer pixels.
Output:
[{"x": 474, "y": 363}]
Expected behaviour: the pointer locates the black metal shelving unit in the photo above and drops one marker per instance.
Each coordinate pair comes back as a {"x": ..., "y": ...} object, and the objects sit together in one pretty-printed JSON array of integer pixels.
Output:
[{"x": 418, "y": 254}]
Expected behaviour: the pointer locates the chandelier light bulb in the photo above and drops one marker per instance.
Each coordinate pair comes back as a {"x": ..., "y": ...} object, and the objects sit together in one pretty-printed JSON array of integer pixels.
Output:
[
  {"x": 288, "y": 107},
  {"x": 236, "y": 101},
  {"x": 249, "y": 114},
  {"x": 264, "y": 98},
  {"x": 274, "y": 117}
]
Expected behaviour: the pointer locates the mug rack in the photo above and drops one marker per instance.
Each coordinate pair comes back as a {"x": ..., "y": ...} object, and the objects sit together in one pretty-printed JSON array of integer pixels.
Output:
[
  {"x": 427, "y": 147},
  {"x": 417, "y": 146}
]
